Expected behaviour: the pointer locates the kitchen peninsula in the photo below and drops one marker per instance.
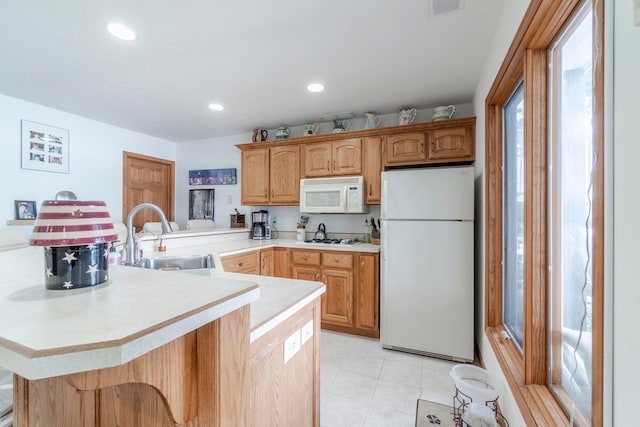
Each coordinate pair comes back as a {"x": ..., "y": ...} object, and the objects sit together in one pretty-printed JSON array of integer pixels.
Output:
[{"x": 159, "y": 348}]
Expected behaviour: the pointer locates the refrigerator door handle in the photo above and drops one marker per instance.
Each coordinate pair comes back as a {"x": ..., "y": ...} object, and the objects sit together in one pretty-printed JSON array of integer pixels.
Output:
[{"x": 383, "y": 205}]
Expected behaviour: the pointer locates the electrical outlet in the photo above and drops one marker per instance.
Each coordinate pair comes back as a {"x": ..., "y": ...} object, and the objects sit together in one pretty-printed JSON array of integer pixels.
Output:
[
  {"x": 306, "y": 332},
  {"x": 274, "y": 220},
  {"x": 291, "y": 345}
]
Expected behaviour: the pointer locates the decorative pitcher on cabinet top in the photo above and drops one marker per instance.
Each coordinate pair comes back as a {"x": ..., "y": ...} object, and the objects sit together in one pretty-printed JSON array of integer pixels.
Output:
[
  {"x": 283, "y": 133},
  {"x": 259, "y": 135},
  {"x": 372, "y": 121},
  {"x": 407, "y": 116},
  {"x": 310, "y": 129},
  {"x": 341, "y": 126},
  {"x": 442, "y": 113}
]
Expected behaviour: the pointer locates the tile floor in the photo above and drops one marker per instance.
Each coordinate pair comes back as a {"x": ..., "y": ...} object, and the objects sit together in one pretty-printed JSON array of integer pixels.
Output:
[{"x": 364, "y": 385}]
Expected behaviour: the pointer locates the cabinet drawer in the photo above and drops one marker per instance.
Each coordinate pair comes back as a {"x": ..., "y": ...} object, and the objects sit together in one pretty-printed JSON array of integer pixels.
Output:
[
  {"x": 306, "y": 257},
  {"x": 338, "y": 260},
  {"x": 242, "y": 263}
]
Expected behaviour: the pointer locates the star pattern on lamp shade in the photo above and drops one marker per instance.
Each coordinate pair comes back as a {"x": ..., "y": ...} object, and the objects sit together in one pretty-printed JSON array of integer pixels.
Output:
[
  {"x": 69, "y": 257},
  {"x": 93, "y": 269},
  {"x": 67, "y": 284},
  {"x": 48, "y": 272}
]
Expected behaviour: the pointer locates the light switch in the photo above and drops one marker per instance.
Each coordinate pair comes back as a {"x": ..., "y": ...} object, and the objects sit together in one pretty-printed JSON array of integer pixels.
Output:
[
  {"x": 291, "y": 345},
  {"x": 306, "y": 332},
  {"x": 229, "y": 199}
]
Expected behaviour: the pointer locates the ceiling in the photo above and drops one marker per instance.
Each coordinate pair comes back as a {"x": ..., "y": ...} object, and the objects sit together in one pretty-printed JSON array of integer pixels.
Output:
[{"x": 255, "y": 57}]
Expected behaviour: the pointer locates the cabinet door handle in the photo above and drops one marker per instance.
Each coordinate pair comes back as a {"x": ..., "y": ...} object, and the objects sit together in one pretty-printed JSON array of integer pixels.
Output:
[
  {"x": 240, "y": 264},
  {"x": 422, "y": 146},
  {"x": 328, "y": 165},
  {"x": 305, "y": 257},
  {"x": 316, "y": 276},
  {"x": 370, "y": 189},
  {"x": 334, "y": 165},
  {"x": 336, "y": 260}
]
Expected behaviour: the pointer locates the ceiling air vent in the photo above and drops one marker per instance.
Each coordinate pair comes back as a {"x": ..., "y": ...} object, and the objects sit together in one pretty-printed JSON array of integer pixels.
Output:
[{"x": 442, "y": 7}]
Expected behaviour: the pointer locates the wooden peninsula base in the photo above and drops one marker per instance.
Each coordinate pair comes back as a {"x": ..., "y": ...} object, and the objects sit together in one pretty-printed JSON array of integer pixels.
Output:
[{"x": 210, "y": 377}]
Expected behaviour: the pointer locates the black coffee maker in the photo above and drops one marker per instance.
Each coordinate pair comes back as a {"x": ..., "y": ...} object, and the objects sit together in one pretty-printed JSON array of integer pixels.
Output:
[{"x": 261, "y": 226}]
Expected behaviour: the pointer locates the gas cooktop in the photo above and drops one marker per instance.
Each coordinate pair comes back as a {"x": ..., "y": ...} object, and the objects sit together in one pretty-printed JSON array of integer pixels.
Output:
[{"x": 344, "y": 242}]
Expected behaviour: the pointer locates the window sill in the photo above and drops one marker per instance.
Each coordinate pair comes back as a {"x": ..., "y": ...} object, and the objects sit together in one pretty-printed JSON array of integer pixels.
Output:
[{"x": 536, "y": 403}]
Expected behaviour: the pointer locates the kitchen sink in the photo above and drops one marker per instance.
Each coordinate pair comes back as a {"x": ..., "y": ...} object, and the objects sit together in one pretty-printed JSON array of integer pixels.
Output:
[{"x": 188, "y": 262}]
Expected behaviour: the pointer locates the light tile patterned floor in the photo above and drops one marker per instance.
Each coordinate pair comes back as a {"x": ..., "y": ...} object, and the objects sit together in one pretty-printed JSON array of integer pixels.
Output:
[{"x": 364, "y": 385}]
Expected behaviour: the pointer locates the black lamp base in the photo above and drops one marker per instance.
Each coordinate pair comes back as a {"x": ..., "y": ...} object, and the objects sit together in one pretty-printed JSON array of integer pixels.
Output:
[{"x": 73, "y": 267}]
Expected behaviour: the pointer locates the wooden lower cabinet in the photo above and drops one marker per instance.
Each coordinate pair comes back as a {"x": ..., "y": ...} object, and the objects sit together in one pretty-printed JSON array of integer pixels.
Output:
[
  {"x": 267, "y": 267},
  {"x": 286, "y": 394},
  {"x": 281, "y": 262},
  {"x": 351, "y": 302}
]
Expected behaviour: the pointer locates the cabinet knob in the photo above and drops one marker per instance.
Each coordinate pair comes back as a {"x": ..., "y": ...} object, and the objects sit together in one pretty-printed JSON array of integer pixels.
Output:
[
  {"x": 305, "y": 257},
  {"x": 240, "y": 264},
  {"x": 336, "y": 260}
]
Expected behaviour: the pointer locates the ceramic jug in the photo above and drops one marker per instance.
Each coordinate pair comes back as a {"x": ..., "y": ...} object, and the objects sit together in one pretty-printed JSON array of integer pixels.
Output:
[
  {"x": 407, "y": 116},
  {"x": 341, "y": 126},
  {"x": 442, "y": 113},
  {"x": 310, "y": 129},
  {"x": 259, "y": 135},
  {"x": 372, "y": 121},
  {"x": 283, "y": 133}
]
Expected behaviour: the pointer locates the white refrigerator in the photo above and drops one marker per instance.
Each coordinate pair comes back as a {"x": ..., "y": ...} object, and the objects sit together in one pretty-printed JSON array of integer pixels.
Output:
[{"x": 427, "y": 236}]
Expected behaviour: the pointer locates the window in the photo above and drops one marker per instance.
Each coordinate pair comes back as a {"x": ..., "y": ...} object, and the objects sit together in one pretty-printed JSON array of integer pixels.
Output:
[
  {"x": 544, "y": 250},
  {"x": 513, "y": 214},
  {"x": 570, "y": 220}
]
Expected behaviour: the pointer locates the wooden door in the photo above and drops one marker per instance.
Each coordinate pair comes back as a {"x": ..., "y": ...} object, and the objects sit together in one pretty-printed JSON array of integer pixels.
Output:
[
  {"x": 147, "y": 179},
  {"x": 317, "y": 159},
  {"x": 347, "y": 157},
  {"x": 405, "y": 149},
  {"x": 255, "y": 176},
  {"x": 367, "y": 293},
  {"x": 337, "y": 302},
  {"x": 285, "y": 175},
  {"x": 266, "y": 262},
  {"x": 372, "y": 169}
]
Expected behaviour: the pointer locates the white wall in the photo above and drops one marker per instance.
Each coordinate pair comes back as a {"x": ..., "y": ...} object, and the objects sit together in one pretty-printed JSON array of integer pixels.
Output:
[
  {"x": 215, "y": 153},
  {"x": 95, "y": 168},
  {"x": 510, "y": 21},
  {"x": 626, "y": 205}
]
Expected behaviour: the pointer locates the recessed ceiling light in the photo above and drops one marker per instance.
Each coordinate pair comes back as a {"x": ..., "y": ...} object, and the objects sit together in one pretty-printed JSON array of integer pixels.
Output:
[
  {"x": 121, "y": 31},
  {"x": 315, "y": 87},
  {"x": 216, "y": 107}
]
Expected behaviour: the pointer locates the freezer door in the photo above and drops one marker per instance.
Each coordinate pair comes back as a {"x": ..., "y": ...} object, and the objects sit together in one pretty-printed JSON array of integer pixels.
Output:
[
  {"x": 427, "y": 287},
  {"x": 434, "y": 193}
]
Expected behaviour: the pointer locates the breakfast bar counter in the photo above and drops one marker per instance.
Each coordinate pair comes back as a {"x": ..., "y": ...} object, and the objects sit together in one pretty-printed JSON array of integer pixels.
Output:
[{"x": 147, "y": 348}]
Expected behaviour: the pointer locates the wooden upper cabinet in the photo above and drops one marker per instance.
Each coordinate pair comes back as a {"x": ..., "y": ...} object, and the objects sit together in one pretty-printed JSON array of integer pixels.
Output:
[
  {"x": 271, "y": 176},
  {"x": 343, "y": 157},
  {"x": 255, "y": 176},
  {"x": 285, "y": 175},
  {"x": 372, "y": 169},
  {"x": 405, "y": 148},
  {"x": 455, "y": 143}
]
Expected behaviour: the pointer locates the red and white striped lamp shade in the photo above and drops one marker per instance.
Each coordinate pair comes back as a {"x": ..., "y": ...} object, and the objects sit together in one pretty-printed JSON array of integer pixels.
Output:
[{"x": 72, "y": 223}]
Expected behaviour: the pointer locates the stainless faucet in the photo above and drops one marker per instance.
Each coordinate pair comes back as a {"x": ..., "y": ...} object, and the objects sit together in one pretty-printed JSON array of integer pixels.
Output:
[{"x": 131, "y": 251}]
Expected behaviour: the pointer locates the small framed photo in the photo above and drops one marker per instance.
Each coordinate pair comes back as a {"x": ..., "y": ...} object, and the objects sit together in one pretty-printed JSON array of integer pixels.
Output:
[
  {"x": 45, "y": 147},
  {"x": 26, "y": 209}
]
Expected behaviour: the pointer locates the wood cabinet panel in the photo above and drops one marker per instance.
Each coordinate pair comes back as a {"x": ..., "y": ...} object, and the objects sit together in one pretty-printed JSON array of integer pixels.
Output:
[
  {"x": 337, "y": 260},
  {"x": 367, "y": 293},
  {"x": 343, "y": 157},
  {"x": 372, "y": 169},
  {"x": 405, "y": 148},
  {"x": 267, "y": 262},
  {"x": 247, "y": 263},
  {"x": 255, "y": 176},
  {"x": 455, "y": 143},
  {"x": 337, "y": 302},
  {"x": 305, "y": 257},
  {"x": 284, "y": 175},
  {"x": 305, "y": 273},
  {"x": 281, "y": 262}
]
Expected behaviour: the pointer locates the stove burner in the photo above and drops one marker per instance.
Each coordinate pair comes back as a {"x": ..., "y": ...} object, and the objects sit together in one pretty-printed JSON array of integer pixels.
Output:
[{"x": 332, "y": 241}]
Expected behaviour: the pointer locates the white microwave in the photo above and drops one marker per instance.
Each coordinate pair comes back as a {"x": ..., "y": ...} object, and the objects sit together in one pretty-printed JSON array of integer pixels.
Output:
[{"x": 333, "y": 195}]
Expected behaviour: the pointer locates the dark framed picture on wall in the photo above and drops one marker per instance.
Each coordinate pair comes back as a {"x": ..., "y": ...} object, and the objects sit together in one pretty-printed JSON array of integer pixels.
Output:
[
  {"x": 201, "y": 204},
  {"x": 25, "y": 209}
]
